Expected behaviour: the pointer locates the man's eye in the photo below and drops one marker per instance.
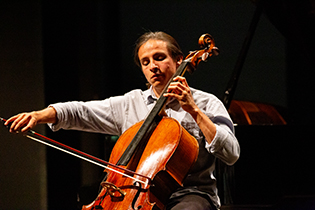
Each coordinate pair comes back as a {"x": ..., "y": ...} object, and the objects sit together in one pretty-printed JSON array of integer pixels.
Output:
[
  {"x": 160, "y": 58},
  {"x": 145, "y": 63}
]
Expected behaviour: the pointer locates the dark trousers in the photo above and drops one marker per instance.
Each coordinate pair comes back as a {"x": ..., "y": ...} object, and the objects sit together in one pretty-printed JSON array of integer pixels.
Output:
[{"x": 190, "y": 202}]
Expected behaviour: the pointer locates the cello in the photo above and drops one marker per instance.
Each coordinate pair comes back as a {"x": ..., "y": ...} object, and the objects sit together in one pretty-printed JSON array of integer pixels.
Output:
[{"x": 158, "y": 148}]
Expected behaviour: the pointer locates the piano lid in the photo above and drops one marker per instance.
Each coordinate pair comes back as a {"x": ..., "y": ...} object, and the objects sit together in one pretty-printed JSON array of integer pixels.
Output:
[{"x": 295, "y": 20}]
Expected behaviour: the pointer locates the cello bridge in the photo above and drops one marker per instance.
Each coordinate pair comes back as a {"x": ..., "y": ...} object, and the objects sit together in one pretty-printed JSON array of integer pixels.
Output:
[{"x": 113, "y": 189}]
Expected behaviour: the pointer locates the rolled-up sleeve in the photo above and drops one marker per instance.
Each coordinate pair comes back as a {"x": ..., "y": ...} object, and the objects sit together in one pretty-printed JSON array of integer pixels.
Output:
[{"x": 224, "y": 145}]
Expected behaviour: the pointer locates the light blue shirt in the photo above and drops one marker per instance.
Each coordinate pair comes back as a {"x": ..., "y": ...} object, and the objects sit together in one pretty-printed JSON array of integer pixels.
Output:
[{"x": 116, "y": 114}]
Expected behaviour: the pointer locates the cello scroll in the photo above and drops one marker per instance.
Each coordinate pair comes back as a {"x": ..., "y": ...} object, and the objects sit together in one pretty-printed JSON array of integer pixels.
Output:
[{"x": 206, "y": 42}]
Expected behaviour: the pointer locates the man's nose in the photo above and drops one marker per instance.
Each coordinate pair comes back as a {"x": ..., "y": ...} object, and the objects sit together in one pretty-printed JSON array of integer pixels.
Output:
[{"x": 153, "y": 66}]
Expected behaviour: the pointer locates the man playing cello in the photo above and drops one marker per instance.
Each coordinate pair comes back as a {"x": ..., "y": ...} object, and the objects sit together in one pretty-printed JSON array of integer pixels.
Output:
[{"x": 200, "y": 113}]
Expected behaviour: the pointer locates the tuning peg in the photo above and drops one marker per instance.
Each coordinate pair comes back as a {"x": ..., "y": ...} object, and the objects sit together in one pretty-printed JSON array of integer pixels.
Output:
[
  {"x": 215, "y": 51},
  {"x": 205, "y": 56}
]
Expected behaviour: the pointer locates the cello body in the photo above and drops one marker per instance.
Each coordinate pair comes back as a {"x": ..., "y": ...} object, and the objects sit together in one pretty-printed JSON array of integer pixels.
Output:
[{"x": 168, "y": 156}]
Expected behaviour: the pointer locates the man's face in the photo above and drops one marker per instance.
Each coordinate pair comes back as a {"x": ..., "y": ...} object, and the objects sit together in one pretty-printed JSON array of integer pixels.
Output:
[{"x": 157, "y": 64}]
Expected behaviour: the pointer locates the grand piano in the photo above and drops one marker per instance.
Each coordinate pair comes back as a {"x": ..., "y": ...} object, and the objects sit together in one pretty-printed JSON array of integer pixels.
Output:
[{"x": 275, "y": 169}]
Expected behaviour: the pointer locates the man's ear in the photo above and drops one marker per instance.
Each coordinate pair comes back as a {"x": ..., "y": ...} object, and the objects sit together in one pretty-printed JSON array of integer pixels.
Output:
[{"x": 179, "y": 60}]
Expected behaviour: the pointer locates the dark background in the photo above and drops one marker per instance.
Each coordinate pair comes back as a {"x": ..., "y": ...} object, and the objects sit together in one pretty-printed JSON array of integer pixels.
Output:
[{"x": 54, "y": 51}]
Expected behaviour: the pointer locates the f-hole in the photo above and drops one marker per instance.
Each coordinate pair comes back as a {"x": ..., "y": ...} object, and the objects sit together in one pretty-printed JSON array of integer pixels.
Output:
[{"x": 137, "y": 184}]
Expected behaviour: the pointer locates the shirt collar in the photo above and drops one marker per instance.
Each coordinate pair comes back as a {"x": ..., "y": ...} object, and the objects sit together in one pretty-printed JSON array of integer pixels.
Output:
[{"x": 150, "y": 96}]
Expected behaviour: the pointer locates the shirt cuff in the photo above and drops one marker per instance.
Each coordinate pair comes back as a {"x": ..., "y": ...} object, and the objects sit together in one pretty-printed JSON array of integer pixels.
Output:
[
  {"x": 56, "y": 126},
  {"x": 217, "y": 140}
]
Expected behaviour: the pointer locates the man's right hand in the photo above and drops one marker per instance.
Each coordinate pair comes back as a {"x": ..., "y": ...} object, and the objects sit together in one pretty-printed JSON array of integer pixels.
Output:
[{"x": 25, "y": 121}]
